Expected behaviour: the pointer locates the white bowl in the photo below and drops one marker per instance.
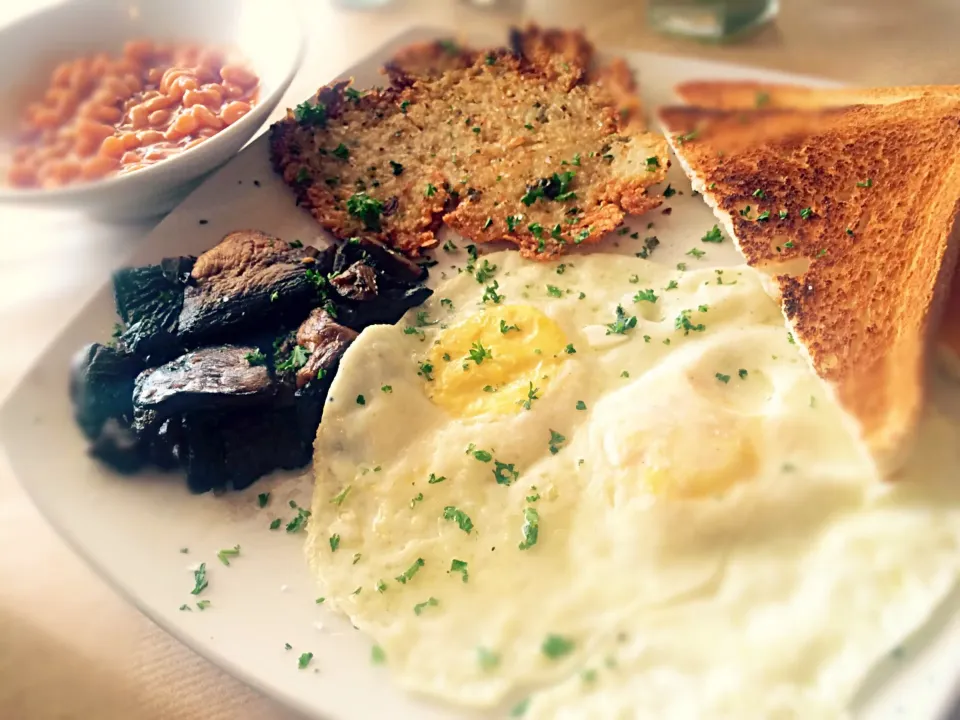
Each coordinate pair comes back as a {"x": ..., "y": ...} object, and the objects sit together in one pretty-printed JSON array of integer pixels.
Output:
[{"x": 268, "y": 33}]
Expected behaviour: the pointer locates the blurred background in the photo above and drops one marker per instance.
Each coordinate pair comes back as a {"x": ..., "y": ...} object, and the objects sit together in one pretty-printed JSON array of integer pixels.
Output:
[{"x": 71, "y": 648}]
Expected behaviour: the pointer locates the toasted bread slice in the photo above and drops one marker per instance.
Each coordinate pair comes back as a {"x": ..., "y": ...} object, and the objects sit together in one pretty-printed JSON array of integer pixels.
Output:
[
  {"x": 850, "y": 212},
  {"x": 498, "y": 151},
  {"x": 749, "y": 94},
  {"x": 723, "y": 94}
]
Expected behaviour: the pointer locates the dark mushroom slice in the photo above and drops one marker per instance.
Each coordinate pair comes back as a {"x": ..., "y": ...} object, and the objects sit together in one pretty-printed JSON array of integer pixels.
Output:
[
  {"x": 101, "y": 387},
  {"x": 223, "y": 377},
  {"x": 387, "y": 308},
  {"x": 232, "y": 451},
  {"x": 251, "y": 280},
  {"x": 325, "y": 341},
  {"x": 149, "y": 301},
  {"x": 357, "y": 282},
  {"x": 120, "y": 447},
  {"x": 391, "y": 267}
]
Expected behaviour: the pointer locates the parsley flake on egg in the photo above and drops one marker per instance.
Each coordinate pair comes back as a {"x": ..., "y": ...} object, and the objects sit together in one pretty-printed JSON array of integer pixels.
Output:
[
  {"x": 622, "y": 323},
  {"x": 458, "y": 516},
  {"x": 530, "y": 528}
]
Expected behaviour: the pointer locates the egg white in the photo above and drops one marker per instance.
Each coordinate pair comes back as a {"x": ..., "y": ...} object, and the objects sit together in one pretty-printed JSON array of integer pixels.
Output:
[{"x": 710, "y": 543}]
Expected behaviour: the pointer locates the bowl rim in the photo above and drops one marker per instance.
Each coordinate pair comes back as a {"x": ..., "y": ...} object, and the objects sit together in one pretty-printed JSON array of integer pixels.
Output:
[{"x": 144, "y": 176}]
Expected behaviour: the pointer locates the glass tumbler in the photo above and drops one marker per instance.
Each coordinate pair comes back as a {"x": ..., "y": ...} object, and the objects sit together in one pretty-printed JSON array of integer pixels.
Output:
[{"x": 709, "y": 19}]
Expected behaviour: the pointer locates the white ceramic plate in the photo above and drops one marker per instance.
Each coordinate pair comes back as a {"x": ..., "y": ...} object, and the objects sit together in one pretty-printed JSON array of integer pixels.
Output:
[{"x": 132, "y": 529}]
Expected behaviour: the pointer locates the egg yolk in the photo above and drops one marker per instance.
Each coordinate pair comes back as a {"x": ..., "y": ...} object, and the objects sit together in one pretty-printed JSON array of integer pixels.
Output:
[
  {"x": 698, "y": 459},
  {"x": 493, "y": 362}
]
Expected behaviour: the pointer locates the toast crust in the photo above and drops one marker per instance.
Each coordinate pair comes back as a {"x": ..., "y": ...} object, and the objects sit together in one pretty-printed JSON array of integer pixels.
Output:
[
  {"x": 858, "y": 238},
  {"x": 749, "y": 94}
]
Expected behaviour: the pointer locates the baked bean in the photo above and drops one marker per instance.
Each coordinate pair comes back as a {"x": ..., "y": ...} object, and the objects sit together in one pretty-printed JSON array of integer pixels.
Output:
[
  {"x": 138, "y": 116},
  {"x": 233, "y": 91},
  {"x": 185, "y": 124},
  {"x": 103, "y": 115},
  {"x": 207, "y": 98},
  {"x": 97, "y": 167},
  {"x": 237, "y": 75},
  {"x": 112, "y": 147},
  {"x": 149, "y": 137},
  {"x": 234, "y": 111},
  {"x": 206, "y": 118}
]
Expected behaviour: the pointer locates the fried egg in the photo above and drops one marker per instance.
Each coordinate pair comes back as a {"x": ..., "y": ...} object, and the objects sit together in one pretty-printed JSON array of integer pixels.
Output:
[{"x": 607, "y": 488}]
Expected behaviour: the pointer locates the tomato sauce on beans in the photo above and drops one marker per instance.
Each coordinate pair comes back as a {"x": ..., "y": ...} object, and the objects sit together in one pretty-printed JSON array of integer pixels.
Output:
[{"x": 105, "y": 115}]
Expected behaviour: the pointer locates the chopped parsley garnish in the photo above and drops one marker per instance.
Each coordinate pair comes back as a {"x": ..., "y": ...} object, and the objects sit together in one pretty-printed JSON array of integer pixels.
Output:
[
  {"x": 649, "y": 244},
  {"x": 255, "y": 358},
  {"x": 556, "y": 442},
  {"x": 433, "y": 479},
  {"x": 758, "y": 193},
  {"x": 361, "y": 400},
  {"x": 520, "y": 708},
  {"x": 396, "y": 168},
  {"x": 570, "y": 349},
  {"x": 366, "y": 208},
  {"x": 386, "y": 389},
  {"x": 462, "y": 520},
  {"x": 762, "y": 99},
  {"x": 353, "y": 94},
  {"x": 742, "y": 373},
  {"x": 227, "y": 553},
  {"x": 304, "y": 660},
  {"x": 790, "y": 338},
  {"x": 275, "y": 523},
  {"x": 556, "y": 646},
  {"x": 713, "y": 235},
  {"x": 581, "y": 405},
  {"x": 681, "y": 266},
  {"x": 531, "y": 396},
  {"x": 308, "y": 115},
  {"x": 487, "y": 659},
  {"x": 556, "y": 187},
  {"x": 765, "y": 215},
  {"x": 476, "y": 130},
  {"x": 478, "y": 353},
  {"x": 340, "y": 496},
  {"x": 302, "y": 177},
  {"x": 683, "y": 322},
  {"x": 481, "y": 455},
  {"x": 849, "y": 232},
  {"x": 504, "y": 328},
  {"x": 299, "y": 521},
  {"x": 417, "y": 498},
  {"x": 490, "y": 293},
  {"x": 334, "y": 542},
  {"x": 320, "y": 600},
  {"x": 581, "y": 236},
  {"x": 341, "y": 151},
  {"x": 377, "y": 655},
  {"x": 687, "y": 137},
  {"x": 408, "y": 574},
  {"x": 821, "y": 252},
  {"x": 199, "y": 579},
  {"x": 788, "y": 244},
  {"x": 696, "y": 252},
  {"x": 536, "y": 228},
  {"x": 669, "y": 191},
  {"x": 490, "y": 59},
  {"x": 652, "y": 163},
  {"x": 622, "y": 323},
  {"x": 460, "y": 566},
  {"x": 203, "y": 604},
  {"x": 672, "y": 285},
  {"x": 404, "y": 105},
  {"x": 485, "y": 271},
  {"x": 723, "y": 378},
  {"x": 805, "y": 213},
  {"x": 430, "y": 191},
  {"x": 447, "y": 303},
  {"x": 420, "y": 607},
  {"x": 530, "y": 529},
  {"x": 866, "y": 183},
  {"x": 512, "y": 221},
  {"x": 634, "y": 279},
  {"x": 186, "y": 608},
  {"x": 554, "y": 291},
  {"x": 263, "y": 499},
  {"x": 425, "y": 371},
  {"x": 381, "y": 587},
  {"x": 783, "y": 214},
  {"x": 505, "y": 473}
]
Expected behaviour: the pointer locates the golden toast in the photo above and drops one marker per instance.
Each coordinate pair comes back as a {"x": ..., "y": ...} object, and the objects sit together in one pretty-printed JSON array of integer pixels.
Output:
[{"x": 850, "y": 211}]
